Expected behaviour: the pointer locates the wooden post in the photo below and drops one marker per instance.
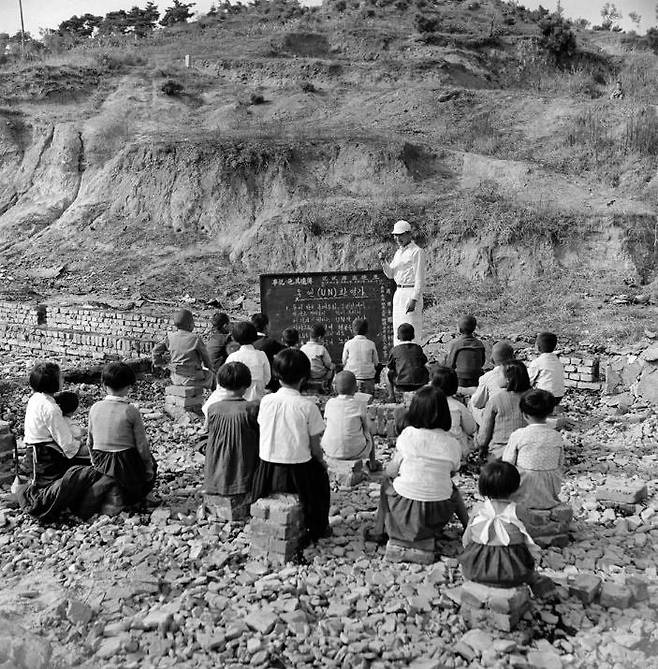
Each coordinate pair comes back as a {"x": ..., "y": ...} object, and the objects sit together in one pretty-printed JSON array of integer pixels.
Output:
[{"x": 20, "y": 9}]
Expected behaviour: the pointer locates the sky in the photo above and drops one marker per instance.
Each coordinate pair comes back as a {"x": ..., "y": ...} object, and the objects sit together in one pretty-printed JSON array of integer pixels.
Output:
[{"x": 44, "y": 14}]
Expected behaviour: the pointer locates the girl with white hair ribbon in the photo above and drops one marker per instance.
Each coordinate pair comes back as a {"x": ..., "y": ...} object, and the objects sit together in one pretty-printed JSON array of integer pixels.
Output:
[
  {"x": 407, "y": 269},
  {"x": 497, "y": 546}
]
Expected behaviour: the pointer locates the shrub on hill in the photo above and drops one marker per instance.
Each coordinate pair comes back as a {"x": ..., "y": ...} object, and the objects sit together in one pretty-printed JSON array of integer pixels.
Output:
[{"x": 558, "y": 39}]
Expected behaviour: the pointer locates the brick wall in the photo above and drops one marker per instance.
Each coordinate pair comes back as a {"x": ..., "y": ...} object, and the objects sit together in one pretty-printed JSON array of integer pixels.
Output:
[
  {"x": 581, "y": 371},
  {"x": 79, "y": 332}
]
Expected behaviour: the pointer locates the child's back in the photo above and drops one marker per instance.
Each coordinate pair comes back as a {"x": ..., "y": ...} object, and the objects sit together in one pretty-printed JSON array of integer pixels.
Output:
[
  {"x": 463, "y": 425},
  {"x": 546, "y": 371},
  {"x": 245, "y": 334},
  {"x": 496, "y": 543},
  {"x": 320, "y": 359},
  {"x": 360, "y": 353},
  {"x": 407, "y": 361},
  {"x": 344, "y": 437},
  {"x": 466, "y": 354},
  {"x": 232, "y": 448},
  {"x": 537, "y": 451}
]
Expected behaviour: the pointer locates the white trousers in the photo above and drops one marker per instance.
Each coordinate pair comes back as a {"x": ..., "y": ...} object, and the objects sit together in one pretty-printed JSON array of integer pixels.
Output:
[{"x": 415, "y": 318}]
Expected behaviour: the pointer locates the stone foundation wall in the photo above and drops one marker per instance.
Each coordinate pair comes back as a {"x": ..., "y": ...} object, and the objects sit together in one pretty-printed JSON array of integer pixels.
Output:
[{"x": 73, "y": 332}]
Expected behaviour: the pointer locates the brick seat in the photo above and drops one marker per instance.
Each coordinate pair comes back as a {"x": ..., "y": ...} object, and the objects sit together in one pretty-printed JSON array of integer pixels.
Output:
[
  {"x": 498, "y": 608},
  {"x": 276, "y": 528}
]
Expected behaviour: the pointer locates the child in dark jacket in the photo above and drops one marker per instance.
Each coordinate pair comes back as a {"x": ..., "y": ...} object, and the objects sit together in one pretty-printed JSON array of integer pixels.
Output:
[
  {"x": 406, "y": 364},
  {"x": 466, "y": 355}
]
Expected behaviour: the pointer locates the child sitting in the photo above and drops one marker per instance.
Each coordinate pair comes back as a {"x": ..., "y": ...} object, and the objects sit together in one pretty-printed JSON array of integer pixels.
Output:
[
  {"x": 69, "y": 402},
  {"x": 245, "y": 335},
  {"x": 360, "y": 357},
  {"x": 117, "y": 439},
  {"x": 419, "y": 498},
  {"x": 491, "y": 382},
  {"x": 537, "y": 451},
  {"x": 466, "y": 355},
  {"x": 219, "y": 339},
  {"x": 184, "y": 354},
  {"x": 406, "y": 364},
  {"x": 502, "y": 414},
  {"x": 290, "y": 338},
  {"x": 546, "y": 371},
  {"x": 289, "y": 446},
  {"x": 347, "y": 435},
  {"x": 232, "y": 447},
  {"x": 322, "y": 368},
  {"x": 496, "y": 543},
  {"x": 463, "y": 426},
  {"x": 55, "y": 473}
]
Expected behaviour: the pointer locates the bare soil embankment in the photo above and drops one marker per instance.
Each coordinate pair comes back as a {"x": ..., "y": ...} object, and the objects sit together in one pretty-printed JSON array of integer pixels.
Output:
[{"x": 527, "y": 201}]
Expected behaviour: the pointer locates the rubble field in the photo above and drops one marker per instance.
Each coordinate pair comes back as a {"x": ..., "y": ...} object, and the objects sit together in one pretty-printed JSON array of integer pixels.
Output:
[{"x": 176, "y": 587}]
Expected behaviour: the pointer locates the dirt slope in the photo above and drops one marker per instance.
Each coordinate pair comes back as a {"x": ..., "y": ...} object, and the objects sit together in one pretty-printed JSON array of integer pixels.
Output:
[{"x": 526, "y": 183}]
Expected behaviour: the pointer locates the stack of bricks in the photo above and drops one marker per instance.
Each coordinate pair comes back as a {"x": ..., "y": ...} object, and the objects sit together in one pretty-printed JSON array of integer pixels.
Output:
[
  {"x": 277, "y": 528},
  {"x": 230, "y": 507},
  {"x": 382, "y": 418},
  {"x": 548, "y": 527},
  {"x": 500, "y": 608},
  {"x": 181, "y": 399},
  {"x": 345, "y": 473},
  {"x": 622, "y": 494},
  {"x": 581, "y": 371},
  {"x": 419, "y": 552},
  {"x": 6, "y": 452}
]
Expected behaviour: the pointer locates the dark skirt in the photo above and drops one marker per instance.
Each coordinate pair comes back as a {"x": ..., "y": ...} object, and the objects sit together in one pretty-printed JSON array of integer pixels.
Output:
[
  {"x": 57, "y": 483},
  {"x": 501, "y": 566},
  {"x": 232, "y": 447},
  {"x": 309, "y": 480},
  {"x": 127, "y": 471},
  {"x": 409, "y": 520}
]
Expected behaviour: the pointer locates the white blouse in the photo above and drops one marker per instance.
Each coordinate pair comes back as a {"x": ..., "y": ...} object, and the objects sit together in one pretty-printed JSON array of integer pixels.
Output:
[{"x": 44, "y": 422}]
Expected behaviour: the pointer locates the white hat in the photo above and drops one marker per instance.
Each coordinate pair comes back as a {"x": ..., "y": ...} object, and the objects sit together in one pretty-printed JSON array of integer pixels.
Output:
[{"x": 401, "y": 227}]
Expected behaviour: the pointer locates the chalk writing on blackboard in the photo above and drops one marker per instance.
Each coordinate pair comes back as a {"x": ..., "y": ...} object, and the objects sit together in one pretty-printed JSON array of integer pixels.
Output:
[{"x": 334, "y": 299}]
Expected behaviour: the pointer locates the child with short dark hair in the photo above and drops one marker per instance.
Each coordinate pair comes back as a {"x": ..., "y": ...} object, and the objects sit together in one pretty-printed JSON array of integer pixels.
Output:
[
  {"x": 289, "y": 445},
  {"x": 69, "y": 402},
  {"x": 360, "y": 357},
  {"x": 117, "y": 438},
  {"x": 537, "y": 451},
  {"x": 406, "y": 364},
  {"x": 184, "y": 354},
  {"x": 56, "y": 471},
  {"x": 219, "y": 339},
  {"x": 322, "y": 367},
  {"x": 419, "y": 498},
  {"x": 466, "y": 355},
  {"x": 347, "y": 435},
  {"x": 463, "y": 426},
  {"x": 290, "y": 338},
  {"x": 267, "y": 344},
  {"x": 232, "y": 447},
  {"x": 502, "y": 414},
  {"x": 546, "y": 371},
  {"x": 245, "y": 335},
  {"x": 496, "y": 543}
]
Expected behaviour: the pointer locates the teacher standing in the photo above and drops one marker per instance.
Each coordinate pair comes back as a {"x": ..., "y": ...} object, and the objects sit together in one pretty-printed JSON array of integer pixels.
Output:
[{"x": 407, "y": 269}]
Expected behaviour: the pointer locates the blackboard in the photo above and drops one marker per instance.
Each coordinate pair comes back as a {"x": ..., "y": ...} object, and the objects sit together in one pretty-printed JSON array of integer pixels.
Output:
[{"x": 334, "y": 299}]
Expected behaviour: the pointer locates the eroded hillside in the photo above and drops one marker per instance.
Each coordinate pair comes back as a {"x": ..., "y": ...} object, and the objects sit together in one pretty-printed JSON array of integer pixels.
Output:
[{"x": 295, "y": 144}]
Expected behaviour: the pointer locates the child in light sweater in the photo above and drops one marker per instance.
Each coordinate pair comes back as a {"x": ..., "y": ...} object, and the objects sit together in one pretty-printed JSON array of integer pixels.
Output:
[
  {"x": 117, "y": 439},
  {"x": 347, "y": 435},
  {"x": 546, "y": 371}
]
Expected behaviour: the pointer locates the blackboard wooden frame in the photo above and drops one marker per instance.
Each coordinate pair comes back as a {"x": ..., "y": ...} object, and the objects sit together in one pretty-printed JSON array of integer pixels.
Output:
[{"x": 358, "y": 293}]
